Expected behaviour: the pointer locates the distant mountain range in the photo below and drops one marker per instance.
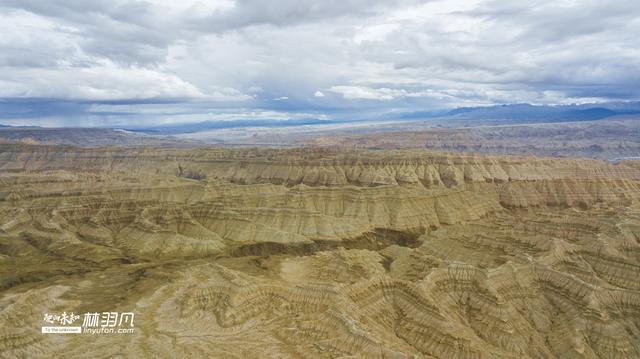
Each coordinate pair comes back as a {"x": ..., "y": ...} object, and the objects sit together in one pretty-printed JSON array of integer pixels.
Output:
[
  {"x": 9, "y": 126},
  {"x": 525, "y": 113},
  {"x": 217, "y": 125},
  {"x": 504, "y": 114},
  {"x": 513, "y": 113}
]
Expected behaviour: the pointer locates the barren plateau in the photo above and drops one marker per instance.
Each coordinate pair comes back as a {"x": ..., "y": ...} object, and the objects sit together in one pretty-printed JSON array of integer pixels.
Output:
[
  {"x": 603, "y": 139},
  {"x": 305, "y": 253}
]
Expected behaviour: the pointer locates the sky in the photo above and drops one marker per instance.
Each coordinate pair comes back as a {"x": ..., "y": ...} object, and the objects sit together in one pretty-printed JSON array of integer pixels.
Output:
[{"x": 145, "y": 63}]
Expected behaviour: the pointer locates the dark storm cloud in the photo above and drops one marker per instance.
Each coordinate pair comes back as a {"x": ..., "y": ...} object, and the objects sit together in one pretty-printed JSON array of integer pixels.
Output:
[{"x": 293, "y": 58}]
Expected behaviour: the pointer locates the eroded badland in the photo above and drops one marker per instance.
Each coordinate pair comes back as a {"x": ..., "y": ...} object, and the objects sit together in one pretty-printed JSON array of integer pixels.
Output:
[{"x": 314, "y": 253}]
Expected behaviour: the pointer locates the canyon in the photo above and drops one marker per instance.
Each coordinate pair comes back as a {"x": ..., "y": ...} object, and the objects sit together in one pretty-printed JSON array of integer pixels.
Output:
[{"x": 319, "y": 252}]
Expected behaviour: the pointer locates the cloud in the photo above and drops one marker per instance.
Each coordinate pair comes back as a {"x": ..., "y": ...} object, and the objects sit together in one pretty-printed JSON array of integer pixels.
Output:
[
  {"x": 384, "y": 94},
  {"x": 366, "y": 56},
  {"x": 96, "y": 83},
  {"x": 365, "y": 93},
  {"x": 281, "y": 98},
  {"x": 107, "y": 82},
  {"x": 244, "y": 13}
]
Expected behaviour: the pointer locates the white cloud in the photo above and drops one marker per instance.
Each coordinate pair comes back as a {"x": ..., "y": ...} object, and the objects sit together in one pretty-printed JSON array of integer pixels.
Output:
[
  {"x": 107, "y": 82},
  {"x": 281, "y": 98},
  {"x": 401, "y": 54},
  {"x": 378, "y": 32},
  {"x": 384, "y": 94},
  {"x": 96, "y": 83},
  {"x": 364, "y": 93}
]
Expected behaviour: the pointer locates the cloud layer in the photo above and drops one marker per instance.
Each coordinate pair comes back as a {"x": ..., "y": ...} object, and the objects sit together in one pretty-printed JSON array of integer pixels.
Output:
[{"x": 326, "y": 58}]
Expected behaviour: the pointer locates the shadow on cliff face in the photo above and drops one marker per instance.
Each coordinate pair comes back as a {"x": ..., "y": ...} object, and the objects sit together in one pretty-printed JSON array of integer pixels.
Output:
[{"x": 375, "y": 240}]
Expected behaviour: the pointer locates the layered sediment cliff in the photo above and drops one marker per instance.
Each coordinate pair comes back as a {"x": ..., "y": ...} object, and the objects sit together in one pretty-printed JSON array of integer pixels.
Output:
[{"x": 314, "y": 253}]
